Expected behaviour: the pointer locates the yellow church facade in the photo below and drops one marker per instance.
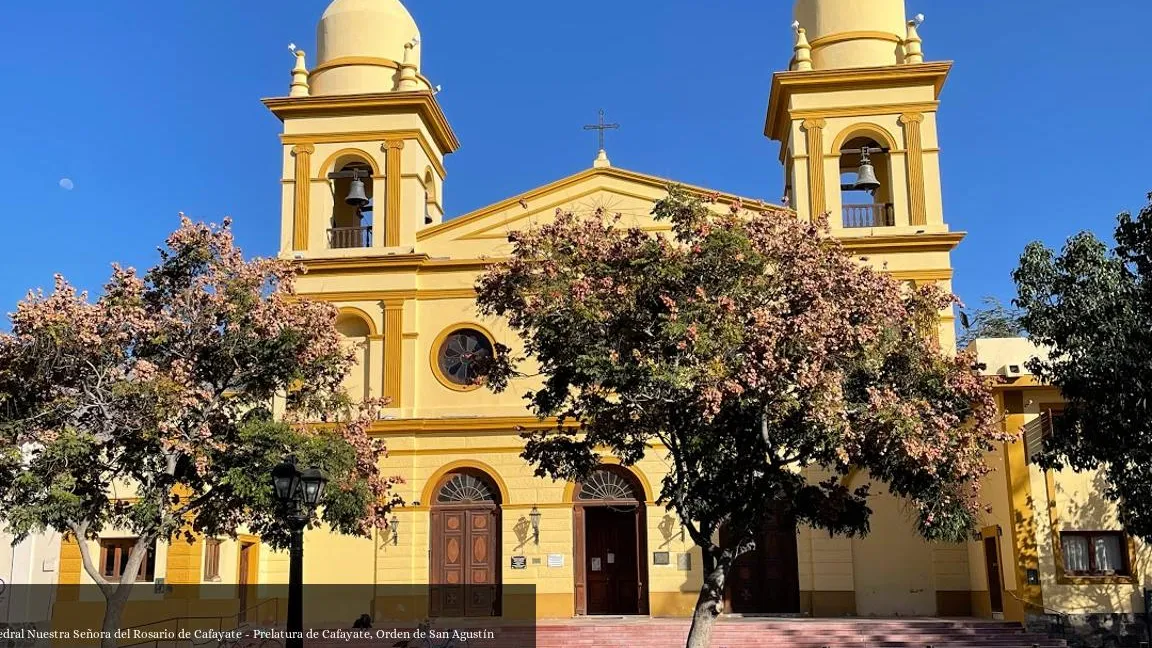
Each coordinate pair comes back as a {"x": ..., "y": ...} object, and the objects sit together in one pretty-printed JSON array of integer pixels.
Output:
[{"x": 364, "y": 178}]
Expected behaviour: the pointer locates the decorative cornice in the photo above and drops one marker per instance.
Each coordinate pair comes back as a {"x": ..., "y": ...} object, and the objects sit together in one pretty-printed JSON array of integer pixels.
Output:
[
  {"x": 423, "y": 102},
  {"x": 843, "y": 37},
  {"x": 352, "y": 137},
  {"x": 786, "y": 84},
  {"x": 942, "y": 274},
  {"x": 422, "y": 263},
  {"x": 897, "y": 243},
  {"x": 463, "y": 424},
  {"x": 345, "y": 61},
  {"x": 388, "y": 295},
  {"x": 870, "y": 110},
  {"x": 564, "y": 183}
]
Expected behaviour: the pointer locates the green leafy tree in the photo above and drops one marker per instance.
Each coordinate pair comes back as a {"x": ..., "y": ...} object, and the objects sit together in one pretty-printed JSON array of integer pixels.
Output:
[
  {"x": 1090, "y": 306},
  {"x": 164, "y": 385},
  {"x": 994, "y": 320},
  {"x": 752, "y": 351}
]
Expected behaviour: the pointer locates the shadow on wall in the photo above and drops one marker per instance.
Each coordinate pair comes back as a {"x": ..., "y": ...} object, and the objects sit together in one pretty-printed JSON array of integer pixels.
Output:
[{"x": 1108, "y": 611}]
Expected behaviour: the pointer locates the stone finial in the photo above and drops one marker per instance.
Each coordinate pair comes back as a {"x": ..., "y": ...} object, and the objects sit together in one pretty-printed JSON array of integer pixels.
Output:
[
  {"x": 601, "y": 160},
  {"x": 802, "y": 56},
  {"x": 913, "y": 49},
  {"x": 408, "y": 79},
  {"x": 299, "y": 75}
]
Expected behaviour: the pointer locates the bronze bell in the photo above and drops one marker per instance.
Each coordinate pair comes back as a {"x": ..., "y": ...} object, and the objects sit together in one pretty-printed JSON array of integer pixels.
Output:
[
  {"x": 356, "y": 196},
  {"x": 866, "y": 174}
]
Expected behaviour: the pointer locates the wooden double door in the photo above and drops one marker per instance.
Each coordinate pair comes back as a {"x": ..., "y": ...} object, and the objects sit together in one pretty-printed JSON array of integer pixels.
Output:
[
  {"x": 610, "y": 566},
  {"x": 612, "y": 561},
  {"x": 766, "y": 580},
  {"x": 465, "y": 561}
]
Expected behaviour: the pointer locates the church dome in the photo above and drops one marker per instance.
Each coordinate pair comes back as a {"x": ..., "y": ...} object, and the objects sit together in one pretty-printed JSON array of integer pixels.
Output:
[
  {"x": 853, "y": 33},
  {"x": 360, "y": 46}
]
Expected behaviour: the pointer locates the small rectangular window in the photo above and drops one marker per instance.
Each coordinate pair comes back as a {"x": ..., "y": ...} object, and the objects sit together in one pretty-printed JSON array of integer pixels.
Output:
[
  {"x": 1095, "y": 553},
  {"x": 114, "y": 554},
  {"x": 211, "y": 559}
]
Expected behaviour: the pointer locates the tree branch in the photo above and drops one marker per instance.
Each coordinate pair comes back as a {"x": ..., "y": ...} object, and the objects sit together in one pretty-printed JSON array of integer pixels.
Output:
[{"x": 80, "y": 530}]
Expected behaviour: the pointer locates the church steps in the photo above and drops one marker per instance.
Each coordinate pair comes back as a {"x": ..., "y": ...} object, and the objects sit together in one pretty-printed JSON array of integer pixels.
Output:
[{"x": 745, "y": 633}]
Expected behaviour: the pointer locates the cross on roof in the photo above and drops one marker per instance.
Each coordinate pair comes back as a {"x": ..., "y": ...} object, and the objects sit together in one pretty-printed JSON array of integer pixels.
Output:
[{"x": 600, "y": 127}]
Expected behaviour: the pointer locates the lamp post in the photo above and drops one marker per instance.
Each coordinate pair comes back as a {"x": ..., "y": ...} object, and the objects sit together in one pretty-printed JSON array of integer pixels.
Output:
[
  {"x": 534, "y": 517},
  {"x": 298, "y": 492}
]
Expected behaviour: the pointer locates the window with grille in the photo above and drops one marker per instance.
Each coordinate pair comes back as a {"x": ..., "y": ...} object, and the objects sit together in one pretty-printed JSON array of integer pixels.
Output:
[
  {"x": 608, "y": 486},
  {"x": 463, "y": 488},
  {"x": 211, "y": 559},
  {"x": 461, "y": 354},
  {"x": 114, "y": 555},
  {"x": 1095, "y": 553},
  {"x": 1037, "y": 432}
]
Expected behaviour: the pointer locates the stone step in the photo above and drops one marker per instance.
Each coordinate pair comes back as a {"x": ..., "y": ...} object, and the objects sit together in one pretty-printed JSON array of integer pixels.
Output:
[{"x": 744, "y": 633}]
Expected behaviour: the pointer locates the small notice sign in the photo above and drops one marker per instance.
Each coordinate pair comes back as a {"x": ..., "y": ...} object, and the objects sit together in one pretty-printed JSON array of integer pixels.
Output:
[
  {"x": 595, "y": 564},
  {"x": 555, "y": 560},
  {"x": 519, "y": 562},
  {"x": 684, "y": 562},
  {"x": 611, "y": 559},
  {"x": 660, "y": 558}
]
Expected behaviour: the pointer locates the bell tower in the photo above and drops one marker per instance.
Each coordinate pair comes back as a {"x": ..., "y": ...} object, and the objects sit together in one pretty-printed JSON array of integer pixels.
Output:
[
  {"x": 364, "y": 138},
  {"x": 855, "y": 115}
]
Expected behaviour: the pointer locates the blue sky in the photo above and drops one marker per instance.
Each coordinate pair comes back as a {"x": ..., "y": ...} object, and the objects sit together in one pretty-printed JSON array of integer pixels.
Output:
[{"x": 152, "y": 108}]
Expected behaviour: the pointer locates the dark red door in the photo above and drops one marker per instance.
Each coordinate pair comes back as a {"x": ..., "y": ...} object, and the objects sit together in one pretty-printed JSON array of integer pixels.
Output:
[
  {"x": 992, "y": 567},
  {"x": 465, "y": 562},
  {"x": 242, "y": 584},
  {"x": 766, "y": 580},
  {"x": 611, "y": 561}
]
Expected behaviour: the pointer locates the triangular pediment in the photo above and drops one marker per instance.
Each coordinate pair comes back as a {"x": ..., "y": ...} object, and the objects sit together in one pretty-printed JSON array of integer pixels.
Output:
[{"x": 610, "y": 190}]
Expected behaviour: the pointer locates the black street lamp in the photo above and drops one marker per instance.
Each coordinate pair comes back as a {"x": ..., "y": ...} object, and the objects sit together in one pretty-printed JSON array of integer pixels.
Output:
[{"x": 299, "y": 493}]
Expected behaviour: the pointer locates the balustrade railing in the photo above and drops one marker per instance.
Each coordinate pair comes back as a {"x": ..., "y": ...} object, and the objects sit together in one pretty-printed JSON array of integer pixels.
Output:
[
  {"x": 350, "y": 237},
  {"x": 875, "y": 215}
]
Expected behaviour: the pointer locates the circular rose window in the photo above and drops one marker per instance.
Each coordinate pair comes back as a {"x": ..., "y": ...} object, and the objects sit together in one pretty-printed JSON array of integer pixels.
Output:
[{"x": 459, "y": 356}]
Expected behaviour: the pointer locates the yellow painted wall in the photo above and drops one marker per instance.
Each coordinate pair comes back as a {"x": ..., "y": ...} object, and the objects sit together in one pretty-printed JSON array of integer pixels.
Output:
[{"x": 893, "y": 568}]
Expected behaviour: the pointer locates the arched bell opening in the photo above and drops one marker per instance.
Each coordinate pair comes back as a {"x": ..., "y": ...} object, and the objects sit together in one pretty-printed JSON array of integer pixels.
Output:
[
  {"x": 352, "y": 192},
  {"x": 429, "y": 196},
  {"x": 866, "y": 184}
]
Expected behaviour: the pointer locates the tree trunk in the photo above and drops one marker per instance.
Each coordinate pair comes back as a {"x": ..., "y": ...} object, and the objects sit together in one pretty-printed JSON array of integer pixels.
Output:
[
  {"x": 708, "y": 606},
  {"x": 115, "y": 595},
  {"x": 113, "y": 610}
]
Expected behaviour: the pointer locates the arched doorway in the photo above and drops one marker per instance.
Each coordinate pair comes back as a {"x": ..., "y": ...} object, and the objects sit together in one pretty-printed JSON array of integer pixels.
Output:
[
  {"x": 610, "y": 528},
  {"x": 464, "y": 568},
  {"x": 766, "y": 580}
]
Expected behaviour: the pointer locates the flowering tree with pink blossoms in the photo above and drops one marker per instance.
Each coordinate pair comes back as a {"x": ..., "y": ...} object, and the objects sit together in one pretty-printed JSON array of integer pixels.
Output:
[
  {"x": 162, "y": 390},
  {"x": 750, "y": 351}
]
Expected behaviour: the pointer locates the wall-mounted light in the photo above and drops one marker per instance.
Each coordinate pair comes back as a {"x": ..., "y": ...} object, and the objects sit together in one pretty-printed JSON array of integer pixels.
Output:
[
  {"x": 394, "y": 529},
  {"x": 535, "y": 517}
]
